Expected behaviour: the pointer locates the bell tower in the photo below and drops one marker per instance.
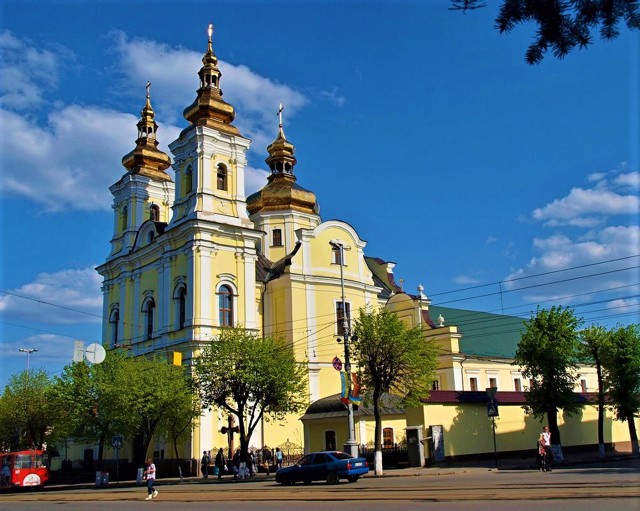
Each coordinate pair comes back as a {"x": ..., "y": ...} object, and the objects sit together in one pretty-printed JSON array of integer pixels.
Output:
[
  {"x": 145, "y": 192},
  {"x": 210, "y": 155}
]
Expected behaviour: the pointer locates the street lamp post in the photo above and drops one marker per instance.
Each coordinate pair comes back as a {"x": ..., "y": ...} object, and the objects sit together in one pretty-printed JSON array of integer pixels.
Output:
[
  {"x": 352, "y": 445},
  {"x": 28, "y": 351}
]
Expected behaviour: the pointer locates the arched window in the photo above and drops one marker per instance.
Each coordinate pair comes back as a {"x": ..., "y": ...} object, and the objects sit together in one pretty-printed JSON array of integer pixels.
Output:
[
  {"x": 124, "y": 218},
  {"x": 225, "y": 306},
  {"x": 188, "y": 179},
  {"x": 148, "y": 309},
  {"x": 222, "y": 177},
  {"x": 154, "y": 212},
  {"x": 180, "y": 297},
  {"x": 114, "y": 319}
]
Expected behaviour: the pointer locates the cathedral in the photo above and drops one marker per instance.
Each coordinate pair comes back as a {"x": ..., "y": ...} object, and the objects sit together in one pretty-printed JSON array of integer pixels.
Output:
[{"x": 192, "y": 254}]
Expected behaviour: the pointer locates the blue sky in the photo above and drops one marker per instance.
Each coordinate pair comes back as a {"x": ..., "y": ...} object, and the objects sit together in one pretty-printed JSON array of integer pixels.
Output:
[{"x": 496, "y": 185}]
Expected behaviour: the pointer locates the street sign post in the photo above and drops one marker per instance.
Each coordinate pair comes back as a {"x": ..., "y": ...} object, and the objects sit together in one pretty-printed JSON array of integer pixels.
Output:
[{"x": 116, "y": 443}]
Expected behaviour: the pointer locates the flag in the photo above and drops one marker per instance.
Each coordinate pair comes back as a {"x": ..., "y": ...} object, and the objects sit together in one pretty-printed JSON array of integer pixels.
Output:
[
  {"x": 354, "y": 395},
  {"x": 344, "y": 392}
]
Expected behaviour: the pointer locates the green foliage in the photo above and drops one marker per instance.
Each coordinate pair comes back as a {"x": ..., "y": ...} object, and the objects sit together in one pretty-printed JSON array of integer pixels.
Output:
[
  {"x": 547, "y": 353},
  {"x": 622, "y": 363},
  {"x": 124, "y": 395},
  {"x": 28, "y": 415},
  {"x": 562, "y": 25},
  {"x": 392, "y": 357},
  {"x": 249, "y": 377}
]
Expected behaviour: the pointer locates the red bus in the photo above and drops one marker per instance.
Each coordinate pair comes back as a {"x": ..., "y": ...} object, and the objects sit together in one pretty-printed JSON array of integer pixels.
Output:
[{"x": 23, "y": 469}]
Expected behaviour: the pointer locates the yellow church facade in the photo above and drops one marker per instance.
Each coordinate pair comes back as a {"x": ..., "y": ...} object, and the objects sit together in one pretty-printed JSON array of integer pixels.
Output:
[{"x": 191, "y": 254}]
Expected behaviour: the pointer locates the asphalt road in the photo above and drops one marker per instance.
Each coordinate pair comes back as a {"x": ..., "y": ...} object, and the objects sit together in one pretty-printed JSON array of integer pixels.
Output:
[{"x": 601, "y": 487}]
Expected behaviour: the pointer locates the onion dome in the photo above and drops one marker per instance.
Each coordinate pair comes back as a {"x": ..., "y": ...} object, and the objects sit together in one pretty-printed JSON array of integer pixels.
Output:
[
  {"x": 209, "y": 109},
  {"x": 281, "y": 191},
  {"x": 146, "y": 159}
]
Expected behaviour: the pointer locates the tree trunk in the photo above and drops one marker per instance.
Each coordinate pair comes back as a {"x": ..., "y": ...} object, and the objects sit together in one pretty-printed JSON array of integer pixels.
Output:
[
  {"x": 378, "y": 434},
  {"x": 556, "y": 445},
  {"x": 633, "y": 435}
]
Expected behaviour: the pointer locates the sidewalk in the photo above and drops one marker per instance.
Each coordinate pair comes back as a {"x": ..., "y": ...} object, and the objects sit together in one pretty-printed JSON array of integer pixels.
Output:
[{"x": 521, "y": 463}]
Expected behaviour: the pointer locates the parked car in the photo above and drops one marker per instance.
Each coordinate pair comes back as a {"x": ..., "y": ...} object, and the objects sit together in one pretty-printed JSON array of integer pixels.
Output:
[{"x": 330, "y": 466}]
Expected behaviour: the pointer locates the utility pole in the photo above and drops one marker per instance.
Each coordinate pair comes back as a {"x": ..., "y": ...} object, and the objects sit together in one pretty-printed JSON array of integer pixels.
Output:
[{"x": 352, "y": 445}]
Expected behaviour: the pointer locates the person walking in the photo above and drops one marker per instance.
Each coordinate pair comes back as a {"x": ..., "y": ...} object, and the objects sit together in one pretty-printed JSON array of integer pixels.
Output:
[
  {"x": 545, "y": 440},
  {"x": 150, "y": 476},
  {"x": 221, "y": 463},
  {"x": 278, "y": 458},
  {"x": 204, "y": 464}
]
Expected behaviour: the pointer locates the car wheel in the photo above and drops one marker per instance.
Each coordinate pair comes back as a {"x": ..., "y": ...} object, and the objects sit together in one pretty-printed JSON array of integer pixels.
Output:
[
  {"x": 286, "y": 481},
  {"x": 332, "y": 478},
  {"x": 353, "y": 479}
]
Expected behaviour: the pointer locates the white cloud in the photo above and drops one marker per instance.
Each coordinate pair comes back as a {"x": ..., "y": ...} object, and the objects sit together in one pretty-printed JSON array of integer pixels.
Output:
[
  {"x": 596, "y": 233},
  {"x": 173, "y": 73},
  {"x": 466, "y": 280},
  {"x": 71, "y": 162},
  {"x": 79, "y": 291},
  {"x": 254, "y": 180}
]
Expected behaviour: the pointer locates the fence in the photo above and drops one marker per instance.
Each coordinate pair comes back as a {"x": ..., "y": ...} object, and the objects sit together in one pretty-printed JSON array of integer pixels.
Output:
[{"x": 392, "y": 457}]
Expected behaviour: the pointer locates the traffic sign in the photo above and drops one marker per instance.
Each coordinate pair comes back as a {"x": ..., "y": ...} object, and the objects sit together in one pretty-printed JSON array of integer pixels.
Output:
[
  {"x": 116, "y": 442},
  {"x": 492, "y": 409},
  {"x": 337, "y": 364}
]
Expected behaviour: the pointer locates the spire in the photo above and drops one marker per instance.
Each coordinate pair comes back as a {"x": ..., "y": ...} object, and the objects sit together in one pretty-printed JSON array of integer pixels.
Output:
[
  {"x": 146, "y": 158},
  {"x": 281, "y": 158},
  {"x": 209, "y": 109}
]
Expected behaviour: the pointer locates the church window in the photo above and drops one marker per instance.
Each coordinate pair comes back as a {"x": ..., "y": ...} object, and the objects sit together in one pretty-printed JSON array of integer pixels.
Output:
[
  {"x": 473, "y": 384},
  {"x": 277, "y": 238},
  {"x": 114, "y": 319},
  {"x": 124, "y": 218},
  {"x": 336, "y": 256},
  {"x": 387, "y": 438},
  {"x": 493, "y": 383},
  {"x": 148, "y": 311},
  {"x": 330, "y": 440},
  {"x": 225, "y": 306},
  {"x": 154, "y": 212},
  {"x": 222, "y": 177},
  {"x": 435, "y": 385},
  {"x": 583, "y": 385},
  {"x": 180, "y": 298},
  {"x": 517, "y": 384},
  {"x": 188, "y": 179},
  {"x": 340, "y": 316}
]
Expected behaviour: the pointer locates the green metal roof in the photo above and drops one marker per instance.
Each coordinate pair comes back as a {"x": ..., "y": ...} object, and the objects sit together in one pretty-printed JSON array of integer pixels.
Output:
[{"x": 483, "y": 334}]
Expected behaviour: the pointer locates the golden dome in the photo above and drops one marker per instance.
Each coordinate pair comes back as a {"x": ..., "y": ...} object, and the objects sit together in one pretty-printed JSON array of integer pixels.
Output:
[
  {"x": 209, "y": 109},
  {"x": 146, "y": 159},
  {"x": 281, "y": 191}
]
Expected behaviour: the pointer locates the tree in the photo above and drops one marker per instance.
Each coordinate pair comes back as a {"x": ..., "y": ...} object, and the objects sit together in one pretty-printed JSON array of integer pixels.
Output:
[
  {"x": 547, "y": 354},
  {"x": 28, "y": 415},
  {"x": 622, "y": 363},
  {"x": 392, "y": 358},
  {"x": 156, "y": 391},
  {"x": 250, "y": 377},
  {"x": 123, "y": 395},
  {"x": 562, "y": 25},
  {"x": 594, "y": 341}
]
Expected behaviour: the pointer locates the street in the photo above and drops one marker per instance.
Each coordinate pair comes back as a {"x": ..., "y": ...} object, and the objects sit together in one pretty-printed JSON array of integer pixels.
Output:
[{"x": 610, "y": 486}]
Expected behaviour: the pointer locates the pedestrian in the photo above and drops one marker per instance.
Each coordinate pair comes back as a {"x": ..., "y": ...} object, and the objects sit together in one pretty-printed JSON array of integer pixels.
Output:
[
  {"x": 150, "y": 476},
  {"x": 545, "y": 438},
  {"x": 266, "y": 456},
  {"x": 278, "y": 458},
  {"x": 235, "y": 463},
  {"x": 204, "y": 464},
  {"x": 221, "y": 463}
]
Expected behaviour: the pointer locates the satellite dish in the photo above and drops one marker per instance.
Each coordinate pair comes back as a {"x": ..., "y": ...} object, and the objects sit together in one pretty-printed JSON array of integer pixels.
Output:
[{"x": 95, "y": 353}]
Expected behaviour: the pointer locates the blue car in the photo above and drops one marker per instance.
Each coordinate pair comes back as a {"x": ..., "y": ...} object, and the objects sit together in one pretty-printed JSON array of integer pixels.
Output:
[{"x": 329, "y": 466}]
